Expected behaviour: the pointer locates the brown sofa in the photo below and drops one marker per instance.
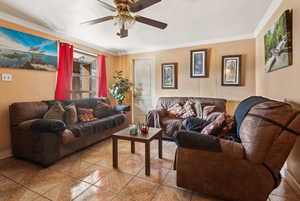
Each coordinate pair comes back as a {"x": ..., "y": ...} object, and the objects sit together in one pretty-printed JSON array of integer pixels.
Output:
[
  {"x": 244, "y": 171},
  {"x": 45, "y": 146},
  {"x": 159, "y": 118}
]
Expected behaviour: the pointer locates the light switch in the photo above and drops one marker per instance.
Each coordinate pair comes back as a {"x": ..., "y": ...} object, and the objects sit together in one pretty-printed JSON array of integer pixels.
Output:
[{"x": 6, "y": 77}]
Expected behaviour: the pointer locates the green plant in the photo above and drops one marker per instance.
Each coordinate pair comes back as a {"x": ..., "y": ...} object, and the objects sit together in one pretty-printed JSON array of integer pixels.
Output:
[{"x": 120, "y": 88}]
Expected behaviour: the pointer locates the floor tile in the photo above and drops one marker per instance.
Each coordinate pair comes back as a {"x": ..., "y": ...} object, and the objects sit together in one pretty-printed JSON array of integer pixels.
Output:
[
  {"x": 139, "y": 190},
  {"x": 130, "y": 166},
  {"x": 171, "y": 194},
  {"x": 201, "y": 197},
  {"x": 278, "y": 198},
  {"x": 11, "y": 191},
  {"x": 157, "y": 175},
  {"x": 285, "y": 190},
  {"x": 170, "y": 179},
  {"x": 95, "y": 194},
  {"x": 114, "y": 181},
  {"x": 66, "y": 190}
]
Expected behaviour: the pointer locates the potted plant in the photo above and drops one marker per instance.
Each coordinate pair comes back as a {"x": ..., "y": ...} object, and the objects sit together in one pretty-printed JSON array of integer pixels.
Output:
[{"x": 120, "y": 88}]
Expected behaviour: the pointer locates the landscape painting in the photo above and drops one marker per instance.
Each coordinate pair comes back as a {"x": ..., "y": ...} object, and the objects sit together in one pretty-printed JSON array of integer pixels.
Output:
[
  {"x": 278, "y": 43},
  {"x": 25, "y": 51}
]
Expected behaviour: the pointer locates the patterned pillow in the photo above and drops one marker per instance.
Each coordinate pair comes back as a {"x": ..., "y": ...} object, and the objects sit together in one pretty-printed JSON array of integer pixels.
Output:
[
  {"x": 207, "y": 110},
  {"x": 176, "y": 110},
  {"x": 215, "y": 127},
  {"x": 86, "y": 114},
  {"x": 189, "y": 111},
  {"x": 56, "y": 111}
]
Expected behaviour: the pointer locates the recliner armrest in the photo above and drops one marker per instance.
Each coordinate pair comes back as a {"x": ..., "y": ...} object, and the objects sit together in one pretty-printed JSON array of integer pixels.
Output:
[
  {"x": 195, "y": 140},
  {"x": 43, "y": 125}
]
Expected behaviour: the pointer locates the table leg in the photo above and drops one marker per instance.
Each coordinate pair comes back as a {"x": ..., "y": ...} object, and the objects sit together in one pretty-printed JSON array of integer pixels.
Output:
[
  {"x": 132, "y": 147},
  {"x": 160, "y": 145},
  {"x": 147, "y": 158},
  {"x": 115, "y": 152}
]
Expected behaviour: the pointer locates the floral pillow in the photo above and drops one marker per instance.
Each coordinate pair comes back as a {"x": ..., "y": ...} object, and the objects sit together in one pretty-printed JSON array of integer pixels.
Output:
[
  {"x": 215, "y": 127},
  {"x": 86, "y": 114},
  {"x": 189, "y": 111},
  {"x": 176, "y": 110}
]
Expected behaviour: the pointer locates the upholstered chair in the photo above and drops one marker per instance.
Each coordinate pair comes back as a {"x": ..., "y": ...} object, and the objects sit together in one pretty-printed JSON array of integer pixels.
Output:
[{"x": 248, "y": 170}]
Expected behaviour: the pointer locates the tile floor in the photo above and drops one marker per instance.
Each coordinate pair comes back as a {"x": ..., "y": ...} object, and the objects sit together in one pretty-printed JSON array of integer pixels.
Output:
[{"x": 89, "y": 176}]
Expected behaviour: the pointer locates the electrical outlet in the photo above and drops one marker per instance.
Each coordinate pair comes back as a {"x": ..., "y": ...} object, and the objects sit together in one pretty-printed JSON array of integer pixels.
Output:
[{"x": 6, "y": 77}]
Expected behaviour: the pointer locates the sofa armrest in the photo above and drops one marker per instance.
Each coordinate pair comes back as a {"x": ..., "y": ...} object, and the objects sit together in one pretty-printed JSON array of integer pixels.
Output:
[
  {"x": 122, "y": 108},
  {"x": 195, "y": 140},
  {"x": 153, "y": 118},
  {"x": 43, "y": 125}
]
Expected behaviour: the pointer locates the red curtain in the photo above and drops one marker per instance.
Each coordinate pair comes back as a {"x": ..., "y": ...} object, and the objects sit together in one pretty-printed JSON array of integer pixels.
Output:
[
  {"x": 102, "y": 77},
  {"x": 65, "y": 70}
]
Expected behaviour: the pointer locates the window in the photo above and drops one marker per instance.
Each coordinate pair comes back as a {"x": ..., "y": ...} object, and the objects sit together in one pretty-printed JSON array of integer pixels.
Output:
[{"x": 84, "y": 82}]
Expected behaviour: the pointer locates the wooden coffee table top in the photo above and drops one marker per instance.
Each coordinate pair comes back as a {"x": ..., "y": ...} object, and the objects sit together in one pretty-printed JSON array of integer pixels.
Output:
[{"x": 124, "y": 134}]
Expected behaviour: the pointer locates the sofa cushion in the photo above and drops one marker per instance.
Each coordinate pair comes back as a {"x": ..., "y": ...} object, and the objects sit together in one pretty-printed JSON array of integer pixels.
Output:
[
  {"x": 97, "y": 126},
  {"x": 198, "y": 110},
  {"x": 70, "y": 116},
  {"x": 56, "y": 111},
  {"x": 104, "y": 110},
  {"x": 207, "y": 110},
  {"x": 171, "y": 124},
  {"x": 86, "y": 114}
]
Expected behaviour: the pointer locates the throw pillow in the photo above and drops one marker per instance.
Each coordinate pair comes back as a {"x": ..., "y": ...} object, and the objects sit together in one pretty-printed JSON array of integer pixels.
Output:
[
  {"x": 56, "y": 111},
  {"x": 189, "y": 111},
  {"x": 86, "y": 114},
  {"x": 71, "y": 114},
  {"x": 215, "y": 127},
  {"x": 176, "y": 110},
  {"x": 103, "y": 110},
  {"x": 207, "y": 110},
  {"x": 198, "y": 108}
]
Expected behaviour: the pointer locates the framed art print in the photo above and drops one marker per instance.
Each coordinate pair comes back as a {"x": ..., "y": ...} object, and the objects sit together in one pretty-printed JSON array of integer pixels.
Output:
[
  {"x": 169, "y": 76},
  {"x": 199, "y": 63},
  {"x": 231, "y": 70}
]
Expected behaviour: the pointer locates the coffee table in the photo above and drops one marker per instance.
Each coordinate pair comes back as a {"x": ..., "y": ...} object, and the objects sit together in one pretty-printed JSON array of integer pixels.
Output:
[{"x": 124, "y": 135}]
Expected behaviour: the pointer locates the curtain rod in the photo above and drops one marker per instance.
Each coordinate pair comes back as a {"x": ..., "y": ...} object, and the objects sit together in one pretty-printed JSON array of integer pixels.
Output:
[{"x": 85, "y": 52}]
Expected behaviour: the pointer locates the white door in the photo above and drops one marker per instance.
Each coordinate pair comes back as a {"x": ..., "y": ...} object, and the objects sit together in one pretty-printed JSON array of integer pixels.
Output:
[{"x": 143, "y": 88}]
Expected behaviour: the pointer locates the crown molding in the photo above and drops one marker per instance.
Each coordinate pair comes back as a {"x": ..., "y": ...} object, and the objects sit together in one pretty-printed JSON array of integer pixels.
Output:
[
  {"x": 269, "y": 13},
  {"x": 61, "y": 35},
  {"x": 189, "y": 44}
]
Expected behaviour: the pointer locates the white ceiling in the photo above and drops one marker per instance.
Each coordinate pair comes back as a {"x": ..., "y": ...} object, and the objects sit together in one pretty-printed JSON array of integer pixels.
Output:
[{"x": 190, "y": 22}]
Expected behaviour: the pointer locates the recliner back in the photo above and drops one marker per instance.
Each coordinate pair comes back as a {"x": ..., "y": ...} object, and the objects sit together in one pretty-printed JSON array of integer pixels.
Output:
[{"x": 264, "y": 136}]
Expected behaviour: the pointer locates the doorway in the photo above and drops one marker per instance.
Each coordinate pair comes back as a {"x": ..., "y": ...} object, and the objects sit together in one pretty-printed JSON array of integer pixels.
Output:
[{"x": 144, "y": 85}]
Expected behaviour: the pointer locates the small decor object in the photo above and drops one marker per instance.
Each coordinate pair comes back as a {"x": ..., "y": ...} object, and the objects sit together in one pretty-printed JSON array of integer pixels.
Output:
[
  {"x": 144, "y": 129},
  {"x": 199, "y": 63},
  {"x": 231, "y": 70},
  {"x": 169, "y": 76},
  {"x": 278, "y": 43},
  {"x": 25, "y": 51},
  {"x": 133, "y": 130},
  {"x": 120, "y": 88}
]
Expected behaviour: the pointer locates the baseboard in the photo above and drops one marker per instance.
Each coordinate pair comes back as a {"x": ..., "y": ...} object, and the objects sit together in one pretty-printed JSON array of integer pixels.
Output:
[
  {"x": 292, "y": 181},
  {"x": 5, "y": 154}
]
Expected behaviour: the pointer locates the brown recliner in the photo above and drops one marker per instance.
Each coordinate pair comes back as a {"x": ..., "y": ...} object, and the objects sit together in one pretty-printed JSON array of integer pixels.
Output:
[
  {"x": 245, "y": 171},
  {"x": 159, "y": 117}
]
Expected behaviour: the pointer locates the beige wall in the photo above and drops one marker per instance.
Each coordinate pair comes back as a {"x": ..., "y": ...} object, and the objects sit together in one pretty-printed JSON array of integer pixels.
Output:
[
  {"x": 284, "y": 83},
  {"x": 29, "y": 85},
  {"x": 204, "y": 87}
]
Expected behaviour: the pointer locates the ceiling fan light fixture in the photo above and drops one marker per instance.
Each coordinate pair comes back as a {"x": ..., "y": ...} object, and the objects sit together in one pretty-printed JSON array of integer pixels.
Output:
[{"x": 124, "y": 20}]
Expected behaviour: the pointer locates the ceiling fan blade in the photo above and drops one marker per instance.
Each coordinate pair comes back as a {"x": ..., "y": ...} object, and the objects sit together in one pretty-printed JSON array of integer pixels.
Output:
[
  {"x": 107, "y": 6},
  {"x": 151, "y": 22},
  {"x": 142, "y": 4},
  {"x": 123, "y": 32},
  {"x": 99, "y": 20}
]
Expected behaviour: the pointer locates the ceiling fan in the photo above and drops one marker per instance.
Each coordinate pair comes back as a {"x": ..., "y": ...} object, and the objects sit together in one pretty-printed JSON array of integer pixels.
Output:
[{"x": 124, "y": 17}]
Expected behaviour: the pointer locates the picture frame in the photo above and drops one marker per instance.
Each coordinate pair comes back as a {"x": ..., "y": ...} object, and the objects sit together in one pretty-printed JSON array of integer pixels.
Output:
[
  {"x": 199, "y": 63},
  {"x": 278, "y": 43},
  {"x": 231, "y": 70},
  {"x": 169, "y": 76}
]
